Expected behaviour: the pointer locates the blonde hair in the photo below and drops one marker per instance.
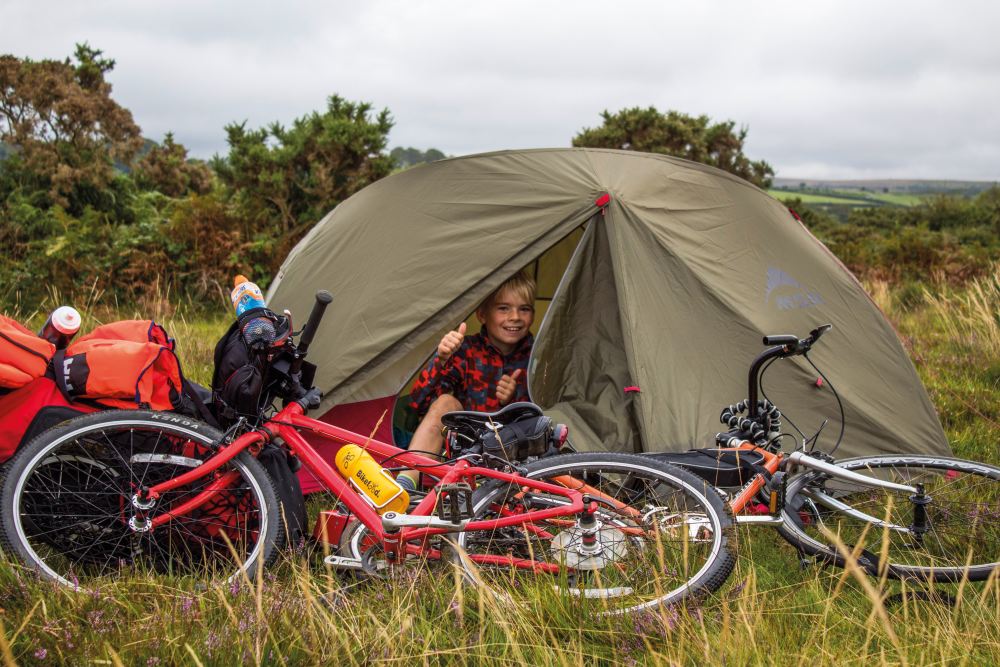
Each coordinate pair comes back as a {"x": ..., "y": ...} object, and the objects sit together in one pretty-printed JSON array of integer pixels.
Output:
[{"x": 519, "y": 283}]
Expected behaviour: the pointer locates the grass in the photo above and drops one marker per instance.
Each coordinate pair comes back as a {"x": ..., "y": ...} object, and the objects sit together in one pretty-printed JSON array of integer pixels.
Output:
[{"x": 771, "y": 610}]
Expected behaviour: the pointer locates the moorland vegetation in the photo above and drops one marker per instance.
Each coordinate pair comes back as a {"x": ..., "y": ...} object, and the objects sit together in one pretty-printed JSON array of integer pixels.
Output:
[
  {"x": 86, "y": 203},
  {"x": 128, "y": 228}
]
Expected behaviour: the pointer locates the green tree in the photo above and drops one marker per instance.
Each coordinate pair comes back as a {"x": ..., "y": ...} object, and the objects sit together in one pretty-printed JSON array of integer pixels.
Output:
[
  {"x": 409, "y": 157},
  {"x": 166, "y": 168},
  {"x": 283, "y": 180},
  {"x": 64, "y": 130},
  {"x": 694, "y": 138}
]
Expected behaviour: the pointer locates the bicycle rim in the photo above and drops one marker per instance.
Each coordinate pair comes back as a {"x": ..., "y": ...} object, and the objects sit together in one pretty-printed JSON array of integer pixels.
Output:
[
  {"x": 666, "y": 541},
  {"x": 70, "y": 513},
  {"x": 961, "y": 537}
]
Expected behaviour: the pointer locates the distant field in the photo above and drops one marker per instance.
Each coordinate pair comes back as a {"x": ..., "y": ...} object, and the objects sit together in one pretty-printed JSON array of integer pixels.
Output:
[
  {"x": 822, "y": 199},
  {"x": 850, "y": 197},
  {"x": 897, "y": 198}
]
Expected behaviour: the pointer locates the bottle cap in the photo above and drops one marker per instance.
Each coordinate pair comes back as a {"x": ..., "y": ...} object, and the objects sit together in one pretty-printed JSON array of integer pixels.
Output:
[{"x": 66, "y": 320}]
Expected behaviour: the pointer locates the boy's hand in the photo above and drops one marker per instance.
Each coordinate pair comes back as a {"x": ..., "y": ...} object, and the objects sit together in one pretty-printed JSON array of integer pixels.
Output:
[
  {"x": 507, "y": 386},
  {"x": 450, "y": 343}
]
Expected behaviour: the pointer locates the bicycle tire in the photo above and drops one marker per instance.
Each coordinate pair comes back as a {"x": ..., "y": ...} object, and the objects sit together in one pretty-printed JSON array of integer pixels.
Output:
[
  {"x": 66, "y": 502},
  {"x": 681, "y": 519},
  {"x": 965, "y": 501}
]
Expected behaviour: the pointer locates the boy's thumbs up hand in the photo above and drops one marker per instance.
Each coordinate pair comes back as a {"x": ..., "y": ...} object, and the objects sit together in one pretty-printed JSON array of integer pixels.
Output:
[
  {"x": 450, "y": 343},
  {"x": 507, "y": 386}
]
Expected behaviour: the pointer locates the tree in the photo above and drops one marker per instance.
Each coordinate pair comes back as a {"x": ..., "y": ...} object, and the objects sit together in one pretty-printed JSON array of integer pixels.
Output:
[
  {"x": 680, "y": 135},
  {"x": 284, "y": 180},
  {"x": 62, "y": 127},
  {"x": 165, "y": 168},
  {"x": 409, "y": 157}
]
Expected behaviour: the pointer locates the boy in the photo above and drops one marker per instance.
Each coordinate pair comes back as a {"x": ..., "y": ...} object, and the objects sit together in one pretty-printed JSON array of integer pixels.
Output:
[{"x": 481, "y": 372}]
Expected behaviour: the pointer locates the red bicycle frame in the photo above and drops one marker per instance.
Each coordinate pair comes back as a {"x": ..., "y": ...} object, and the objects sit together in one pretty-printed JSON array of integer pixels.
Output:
[{"x": 285, "y": 425}]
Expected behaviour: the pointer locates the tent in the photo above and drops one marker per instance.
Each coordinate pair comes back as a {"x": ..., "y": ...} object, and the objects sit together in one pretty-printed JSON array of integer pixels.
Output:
[{"x": 659, "y": 276}]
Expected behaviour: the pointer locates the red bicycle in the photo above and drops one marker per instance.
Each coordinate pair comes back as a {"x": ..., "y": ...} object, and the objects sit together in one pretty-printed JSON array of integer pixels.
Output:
[{"x": 111, "y": 493}]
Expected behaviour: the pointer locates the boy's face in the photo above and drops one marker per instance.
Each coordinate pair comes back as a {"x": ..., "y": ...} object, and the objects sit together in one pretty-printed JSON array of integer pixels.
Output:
[{"x": 507, "y": 320}]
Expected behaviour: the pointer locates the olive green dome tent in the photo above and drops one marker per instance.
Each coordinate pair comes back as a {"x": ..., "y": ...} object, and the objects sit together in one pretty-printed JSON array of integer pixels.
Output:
[{"x": 664, "y": 274}]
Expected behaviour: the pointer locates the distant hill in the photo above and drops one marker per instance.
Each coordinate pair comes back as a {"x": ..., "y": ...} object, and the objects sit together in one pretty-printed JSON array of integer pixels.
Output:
[
  {"x": 891, "y": 186},
  {"x": 839, "y": 197}
]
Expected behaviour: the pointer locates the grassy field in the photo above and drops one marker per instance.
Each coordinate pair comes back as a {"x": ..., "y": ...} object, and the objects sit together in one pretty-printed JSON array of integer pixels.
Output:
[
  {"x": 848, "y": 197},
  {"x": 771, "y": 611}
]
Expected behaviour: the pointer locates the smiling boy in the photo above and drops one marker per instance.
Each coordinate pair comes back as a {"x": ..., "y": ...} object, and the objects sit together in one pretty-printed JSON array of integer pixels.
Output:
[{"x": 482, "y": 372}]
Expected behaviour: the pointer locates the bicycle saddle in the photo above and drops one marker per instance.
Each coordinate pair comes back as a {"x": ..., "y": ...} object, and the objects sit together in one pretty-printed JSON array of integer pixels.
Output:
[{"x": 478, "y": 420}]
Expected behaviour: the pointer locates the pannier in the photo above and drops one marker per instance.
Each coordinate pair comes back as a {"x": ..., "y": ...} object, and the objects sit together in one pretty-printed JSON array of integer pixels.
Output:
[
  {"x": 23, "y": 355},
  {"x": 127, "y": 364}
]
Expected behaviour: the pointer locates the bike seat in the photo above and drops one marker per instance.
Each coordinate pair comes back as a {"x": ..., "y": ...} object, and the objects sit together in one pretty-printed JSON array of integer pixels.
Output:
[{"x": 478, "y": 420}]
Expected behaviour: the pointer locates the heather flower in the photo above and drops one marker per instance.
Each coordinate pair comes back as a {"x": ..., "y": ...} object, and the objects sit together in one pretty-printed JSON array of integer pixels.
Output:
[{"x": 41, "y": 653}]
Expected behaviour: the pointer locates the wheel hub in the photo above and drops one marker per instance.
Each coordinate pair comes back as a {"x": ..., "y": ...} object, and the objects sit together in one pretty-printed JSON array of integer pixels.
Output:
[{"x": 583, "y": 549}]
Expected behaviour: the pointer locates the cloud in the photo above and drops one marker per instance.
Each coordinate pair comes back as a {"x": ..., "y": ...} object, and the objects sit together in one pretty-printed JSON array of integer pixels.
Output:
[{"x": 827, "y": 89}]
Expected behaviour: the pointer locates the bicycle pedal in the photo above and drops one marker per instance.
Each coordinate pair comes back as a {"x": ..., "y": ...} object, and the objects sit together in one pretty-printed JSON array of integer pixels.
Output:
[
  {"x": 344, "y": 563},
  {"x": 776, "y": 493},
  {"x": 454, "y": 502}
]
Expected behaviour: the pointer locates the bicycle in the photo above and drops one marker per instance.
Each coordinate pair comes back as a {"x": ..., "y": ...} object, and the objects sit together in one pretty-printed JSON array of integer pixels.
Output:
[
  {"x": 923, "y": 517},
  {"x": 112, "y": 493}
]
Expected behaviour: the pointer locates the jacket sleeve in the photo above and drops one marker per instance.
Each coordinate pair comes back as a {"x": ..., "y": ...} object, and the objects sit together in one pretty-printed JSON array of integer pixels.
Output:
[{"x": 437, "y": 379}]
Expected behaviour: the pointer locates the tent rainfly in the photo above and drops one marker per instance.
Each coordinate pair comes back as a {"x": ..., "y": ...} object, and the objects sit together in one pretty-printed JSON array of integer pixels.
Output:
[{"x": 672, "y": 272}]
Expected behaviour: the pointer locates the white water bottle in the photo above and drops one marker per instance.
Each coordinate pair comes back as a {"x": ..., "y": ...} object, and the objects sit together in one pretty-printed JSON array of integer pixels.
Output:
[{"x": 62, "y": 325}]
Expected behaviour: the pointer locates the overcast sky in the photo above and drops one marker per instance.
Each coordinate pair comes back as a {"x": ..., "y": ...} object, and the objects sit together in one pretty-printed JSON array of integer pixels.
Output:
[{"x": 828, "y": 89}]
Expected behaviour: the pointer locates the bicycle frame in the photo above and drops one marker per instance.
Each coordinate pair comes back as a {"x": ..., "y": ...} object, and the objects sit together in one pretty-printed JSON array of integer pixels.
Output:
[
  {"x": 774, "y": 462},
  {"x": 285, "y": 425}
]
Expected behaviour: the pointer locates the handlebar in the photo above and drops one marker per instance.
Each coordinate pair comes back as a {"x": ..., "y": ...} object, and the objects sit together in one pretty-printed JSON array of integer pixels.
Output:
[
  {"x": 323, "y": 299},
  {"x": 785, "y": 345},
  {"x": 307, "y": 398}
]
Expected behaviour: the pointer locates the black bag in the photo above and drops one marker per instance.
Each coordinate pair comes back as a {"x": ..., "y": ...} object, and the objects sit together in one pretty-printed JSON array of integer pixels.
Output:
[
  {"x": 286, "y": 485},
  {"x": 715, "y": 466},
  {"x": 242, "y": 363},
  {"x": 520, "y": 439},
  {"x": 238, "y": 378}
]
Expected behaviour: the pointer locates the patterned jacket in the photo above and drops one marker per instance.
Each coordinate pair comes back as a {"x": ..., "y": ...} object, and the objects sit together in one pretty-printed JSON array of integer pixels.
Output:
[{"x": 472, "y": 374}]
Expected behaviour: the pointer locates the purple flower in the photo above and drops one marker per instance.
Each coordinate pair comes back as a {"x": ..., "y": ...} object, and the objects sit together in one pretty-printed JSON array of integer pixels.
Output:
[{"x": 41, "y": 653}]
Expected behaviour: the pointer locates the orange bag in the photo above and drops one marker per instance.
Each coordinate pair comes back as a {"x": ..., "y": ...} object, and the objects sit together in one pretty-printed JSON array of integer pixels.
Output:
[
  {"x": 23, "y": 355},
  {"x": 125, "y": 364}
]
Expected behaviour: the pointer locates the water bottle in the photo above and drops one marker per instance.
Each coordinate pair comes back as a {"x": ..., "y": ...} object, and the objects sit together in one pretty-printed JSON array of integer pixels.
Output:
[
  {"x": 62, "y": 325},
  {"x": 374, "y": 482},
  {"x": 259, "y": 331}
]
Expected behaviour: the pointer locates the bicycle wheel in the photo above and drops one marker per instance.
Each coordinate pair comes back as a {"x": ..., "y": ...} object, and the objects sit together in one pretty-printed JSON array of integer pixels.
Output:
[
  {"x": 67, "y": 502},
  {"x": 661, "y": 536},
  {"x": 961, "y": 535}
]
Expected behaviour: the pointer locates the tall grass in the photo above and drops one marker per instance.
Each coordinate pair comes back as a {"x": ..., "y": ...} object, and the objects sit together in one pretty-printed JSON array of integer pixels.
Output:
[
  {"x": 971, "y": 316},
  {"x": 773, "y": 610}
]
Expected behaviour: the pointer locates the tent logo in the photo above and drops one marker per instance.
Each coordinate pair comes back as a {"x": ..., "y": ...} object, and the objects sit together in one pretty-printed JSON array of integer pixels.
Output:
[{"x": 788, "y": 293}]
